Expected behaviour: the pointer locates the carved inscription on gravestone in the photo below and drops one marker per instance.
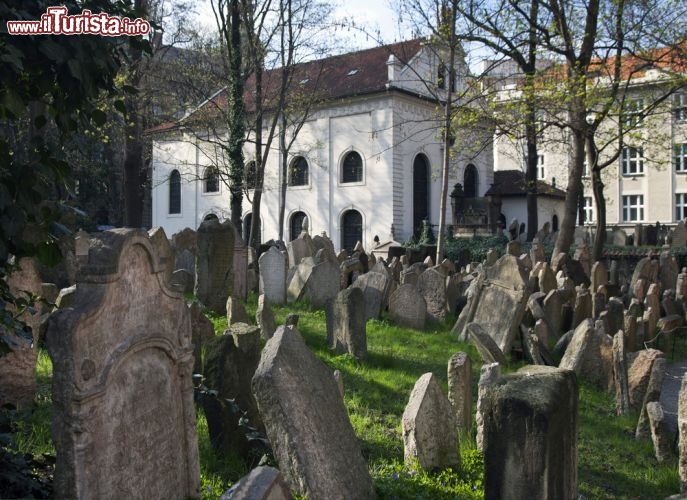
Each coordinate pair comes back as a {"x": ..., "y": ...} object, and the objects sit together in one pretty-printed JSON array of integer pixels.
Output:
[{"x": 124, "y": 421}]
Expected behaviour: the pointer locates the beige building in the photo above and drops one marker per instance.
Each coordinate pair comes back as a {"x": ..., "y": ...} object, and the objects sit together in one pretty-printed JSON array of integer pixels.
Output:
[{"x": 646, "y": 179}]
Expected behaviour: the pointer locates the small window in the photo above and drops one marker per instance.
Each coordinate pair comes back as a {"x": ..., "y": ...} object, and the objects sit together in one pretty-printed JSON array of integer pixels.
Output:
[
  {"x": 296, "y": 224},
  {"x": 633, "y": 161},
  {"x": 680, "y": 158},
  {"x": 540, "y": 167},
  {"x": 211, "y": 177},
  {"x": 251, "y": 175},
  {"x": 680, "y": 106},
  {"x": 680, "y": 206},
  {"x": 352, "y": 170},
  {"x": 351, "y": 229},
  {"x": 633, "y": 113},
  {"x": 633, "y": 208},
  {"x": 588, "y": 210},
  {"x": 298, "y": 173},
  {"x": 175, "y": 192},
  {"x": 470, "y": 181}
]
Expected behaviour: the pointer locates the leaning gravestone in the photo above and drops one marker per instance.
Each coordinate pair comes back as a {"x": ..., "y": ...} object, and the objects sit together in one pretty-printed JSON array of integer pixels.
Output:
[
  {"x": 122, "y": 388},
  {"x": 530, "y": 434},
  {"x": 349, "y": 323},
  {"x": 323, "y": 284},
  {"x": 429, "y": 428},
  {"x": 407, "y": 307},
  {"x": 214, "y": 264},
  {"x": 498, "y": 303},
  {"x": 272, "y": 265},
  {"x": 312, "y": 438},
  {"x": 375, "y": 287}
]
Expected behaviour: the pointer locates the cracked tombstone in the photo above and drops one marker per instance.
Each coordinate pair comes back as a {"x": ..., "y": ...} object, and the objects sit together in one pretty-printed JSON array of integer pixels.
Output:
[
  {"x": 309, "y": 430},
  {"x": 122, "y": 385}
]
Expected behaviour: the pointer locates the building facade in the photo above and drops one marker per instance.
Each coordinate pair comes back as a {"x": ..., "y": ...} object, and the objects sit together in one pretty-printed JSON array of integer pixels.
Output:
[{"x": 367, "y": 158}]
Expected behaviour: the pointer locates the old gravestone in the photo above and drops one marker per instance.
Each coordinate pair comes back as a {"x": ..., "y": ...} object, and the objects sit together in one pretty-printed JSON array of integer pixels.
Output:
[
  {"x": 429, "y": 429},
  {"x": 530, "y": 434},
  {"x": 349, "y": 323},
  {"x": 323, "y": 284},
  {"x": 122, "y": 389},
  {"x": 309, "y": 430},
  {"x": 375, "y": 287},
  {"x": 460, "y": 389},
  {"x": 407, "y": 307},
  {"x": 504, "y": 288},
  {"x": 214, "y": 264},
  {"x": 272, "y": 265},
  {"x": 590, "y": 355},
  {"x": 432, "y": 285},
  {"x": 264, "y": 318}
]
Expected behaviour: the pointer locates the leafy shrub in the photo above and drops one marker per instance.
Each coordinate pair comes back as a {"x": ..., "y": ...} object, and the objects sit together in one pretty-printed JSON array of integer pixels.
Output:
[{"x": 477, "y": 246}]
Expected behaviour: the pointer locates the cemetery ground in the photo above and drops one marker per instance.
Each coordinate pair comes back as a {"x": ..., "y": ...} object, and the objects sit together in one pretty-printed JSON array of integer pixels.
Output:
[{"x": 612, "y": 463}]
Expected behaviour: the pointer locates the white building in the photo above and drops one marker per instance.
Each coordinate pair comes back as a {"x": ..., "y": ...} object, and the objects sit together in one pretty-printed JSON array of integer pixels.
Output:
[{"x": 368, "y": 156}]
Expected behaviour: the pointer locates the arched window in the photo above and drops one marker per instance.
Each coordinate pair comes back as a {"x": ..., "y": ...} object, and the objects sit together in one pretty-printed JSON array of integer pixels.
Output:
[
  {"x": 211, "y": 177},
  {"x": 175, "y": 192},
  {"x": 554, "y": 223},
  {"x": 420, "y": 193},
  {"x": 470, "y": 181},
  {"x": 210, "y": 216},
  {"x": 247, "y": 221},
  {"x": 251, "y": 174},
  {"x": 351, "y": 229},
  {"x": 352, "y": 168},
  {"x": 296, "y": 224},
  {"x": 298, "y": 173}
]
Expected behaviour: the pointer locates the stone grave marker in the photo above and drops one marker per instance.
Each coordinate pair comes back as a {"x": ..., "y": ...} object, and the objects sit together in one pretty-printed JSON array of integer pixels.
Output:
[
  {"x": 122, "y": 388},
  {"x": 272, "y": 265},
  {"x": 349, "y": 322},
  {"x": 429, "y": 429},
  {"x": 375, "y": 288},
  {"x": 622, "y": 392},
  {"x": 323, "y": 284},
  {"x": 660, "y": 433},
  {"x": 504, "y": 288},
  {"x": 214, "y": 264},
  {"x": 653, "y": 393},
  {"x": 298, "y": 279},
  {"x": 460, "y": 389},
  {"x": 590, "y": 355},
  {"x": 165, "y": 251},
  {"x": 599, "y": 276},
  {"x": 488, "y": 375},
  {"x": 262, "y": 483},
  {"x": 531, "y": 413},
  {"x": 299, "y": 249},
  {"x": 236, "y": 312},
  {"x": 679, "y": 239},
  {"x": 432, "y": 286},
  {"x": 309, "y": 430},
  {"x": 407, "y": 307}
]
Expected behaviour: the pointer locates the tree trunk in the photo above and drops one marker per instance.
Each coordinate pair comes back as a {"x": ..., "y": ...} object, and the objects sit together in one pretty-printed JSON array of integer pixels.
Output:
[
  {"x": 254, "y": 231},
  {"x": 531, "y": 176},
  {"x": 599, "y": 200},
  {"x": 237, "y": 129},
  {"x": 282, "y": 177},
  {"x": 133, "y": 166}
]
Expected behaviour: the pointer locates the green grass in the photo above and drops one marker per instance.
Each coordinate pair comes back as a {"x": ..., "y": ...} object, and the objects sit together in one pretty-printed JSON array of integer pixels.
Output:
[{"x": 612, "y": 464}]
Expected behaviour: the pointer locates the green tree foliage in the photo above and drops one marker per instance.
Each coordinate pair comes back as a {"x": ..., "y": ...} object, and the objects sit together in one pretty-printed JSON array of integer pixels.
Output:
[{"x": 50, "y": 88}]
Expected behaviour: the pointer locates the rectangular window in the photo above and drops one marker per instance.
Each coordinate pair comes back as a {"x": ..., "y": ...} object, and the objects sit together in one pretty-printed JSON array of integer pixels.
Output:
[
  {"x": 680, "y": 106},
  {"x": 588, "y": 210},
  {"x": 633, "y": 161},
  {"x": 540, "y": 167},
  {"x": 680, "y": 157},
  {"x": 633, "y": 208},
  {"x": 680, "y": 206},
  {"x": 585, "y": 168},
  {"x": 633, "y": 113}
]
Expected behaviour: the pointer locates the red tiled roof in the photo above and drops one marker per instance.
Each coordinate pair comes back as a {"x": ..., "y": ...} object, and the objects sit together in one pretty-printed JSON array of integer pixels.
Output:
[
  {"x": 337, "y": 77},
  {"x": 512, "y": 183}
]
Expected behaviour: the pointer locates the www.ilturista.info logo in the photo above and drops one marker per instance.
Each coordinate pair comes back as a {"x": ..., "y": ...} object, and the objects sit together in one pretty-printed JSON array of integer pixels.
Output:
[{"x": 57, "y": 22}]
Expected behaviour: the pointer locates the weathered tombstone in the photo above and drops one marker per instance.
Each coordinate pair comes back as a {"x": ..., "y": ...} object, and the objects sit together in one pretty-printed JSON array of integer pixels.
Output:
[
  {"x": 429, "y": 428},
  {"x": 264, "y": 317},
  {"x": 682, "y": 431},
  {"x": 122, "y": 388},
  {"x": 531, "y": 413},
  {"x": 639, "y": 368},
  {"x": 553, "y": 309},
  {"x": 299, "y": 249},
  {"x": 349, "y": 322},
  {"x": 323, "y": 242},
  {"x": 488, "y": 375},
  {"x": 622, "y": 396},
  {"x": 615, "y": 317},
  {"x": 547, "y": 279},
  {"x": 338, "y": 378},
  {"x": 679, "y": 239},
  {"x": 262, "y": 483},
  {"x": 236, "y": 312},
  {"x": 272, "y": 264},
  {"x": 485, "y": 344},
  {"x": 323, "y": 284},
  {"x": 182, "y": 281},
  {"x": 214, "y": 264},
  {"x": 590, "y": 355},
  {"x": 504, "y": 288},
  {"x": 460, "y": 390},
  {"x": 375, "y": 287},
  {"x": 642, "y": 271},
  {"x": 630, "y": 329},
  {"x": 240, "y": 268},
  {"x": 432, "y": 286},
  {"x": 660, "y": 433},
  {"x": 653, "y": 393},
  {"x": 312, "y": 439},
  {"x": 513, "y": 248},
  {"x": 583, "y": 306},
  {"x": 18, "y": 366},
  {"x": 230, "y": 362},
  {"x": 164, "y": 249},
  {"x": 599, "y": 276},
  {"x": 537, "y": 252},
  {"x": 298, "y": 279},
  {"x": 619, "y": 237},
  {"x": 202, "y": 331},
  {"x": 407, "y": 307}
]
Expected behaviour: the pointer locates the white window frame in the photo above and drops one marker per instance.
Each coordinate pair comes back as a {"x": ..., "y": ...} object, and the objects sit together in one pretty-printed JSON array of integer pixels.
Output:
[
  {"x": 633, "y": 202},
  {"x": 588, "y": 210},
  {"x": 540, "y": 167},
  {"x": 680, "y": 157},
  {"x": 680, "y": 206},
  {"x": 632, "y": 161},
  {"x": 680, "y": 106},
  {"x": 633, "y": 113}
]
